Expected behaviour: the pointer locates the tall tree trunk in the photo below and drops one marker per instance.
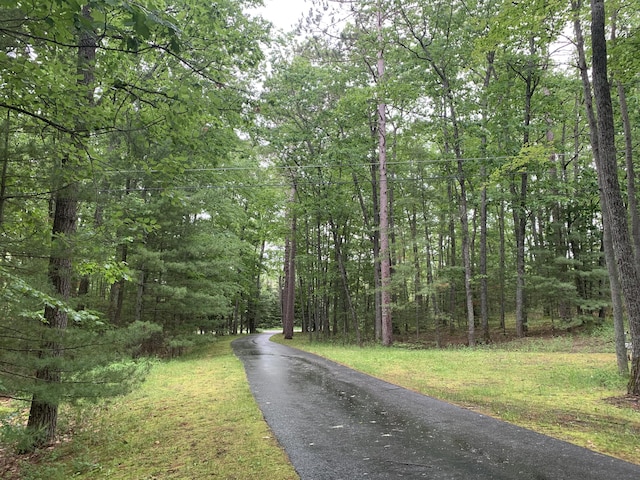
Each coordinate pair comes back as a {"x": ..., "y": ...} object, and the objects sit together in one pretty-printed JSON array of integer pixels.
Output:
[
  {"x": 502, "y": 267},
  {"x": 140, "y": 294},
  {"x": 631, "y": 174},
  {"x": 251, "y": 324},
  {"x": 434, "y": 296},
  {"x": 43, "y": 414},
  {"x": 345, "y": 281},
  {"x": 466, "y": 257},
  {"x": 484, "y": 293},
  {"x": 372, "y": 227},
  {"x": 417, "y": 276},
  {"x": 519, "y": 193},
  {"x": 290, "y": 274},
  {"x": 385, "y": 258},
  {"x": 462, "y": 206},
  {"x": 634, "y": 214},
  {"x": 614, "y": 204},
  {"x": 437, "y": 316},
  {"x": 285, "y": 290},
  {"x": 117, "y": 291},
  {"x": 616, "y": 302},
  {"x": 5, "y": 165},
  {"x": 452, "y": 262},
  {"x": 612, "y": 269}
]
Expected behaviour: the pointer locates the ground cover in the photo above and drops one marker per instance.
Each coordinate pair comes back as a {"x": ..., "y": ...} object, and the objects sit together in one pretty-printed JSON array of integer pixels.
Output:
[
  {"x": 193, "y": 418},
  {"x": 567, "y": 387}
]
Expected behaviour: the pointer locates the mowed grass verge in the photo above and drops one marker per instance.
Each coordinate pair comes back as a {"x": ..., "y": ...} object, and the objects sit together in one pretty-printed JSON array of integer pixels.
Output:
[
  {"x": 193, "y": 418},
  {"x": 558, "y": 393}
]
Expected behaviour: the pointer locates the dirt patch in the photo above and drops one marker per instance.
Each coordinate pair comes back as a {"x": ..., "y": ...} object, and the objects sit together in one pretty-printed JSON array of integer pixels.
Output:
[
  {"x": 10, "y": 463},
  {"x": 625, "y": 401}
]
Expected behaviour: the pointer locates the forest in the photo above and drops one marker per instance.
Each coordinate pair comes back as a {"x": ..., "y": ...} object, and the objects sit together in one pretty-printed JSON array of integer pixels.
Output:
[{"x": 175, "y": 170}]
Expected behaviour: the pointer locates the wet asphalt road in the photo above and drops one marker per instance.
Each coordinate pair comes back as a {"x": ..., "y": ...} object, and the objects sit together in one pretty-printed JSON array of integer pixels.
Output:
[{"x": 335, "y": 423}]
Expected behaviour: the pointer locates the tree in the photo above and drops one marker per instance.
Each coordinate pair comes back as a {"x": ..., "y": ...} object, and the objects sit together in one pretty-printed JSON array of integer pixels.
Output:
[
  {"x": 43, "y": 414},
  {"x": 385, "y": 265},
  {"x": 614, "y": 283},
  {"x": 289, "y": 289},
  {"x": 614, "y": 205},
  {"x": 105, "y": 98}
]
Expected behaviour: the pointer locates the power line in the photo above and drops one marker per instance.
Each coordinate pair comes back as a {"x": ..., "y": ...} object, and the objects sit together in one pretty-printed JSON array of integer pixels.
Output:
[
  {"x": 302, "y": 182},
  {"x": 315, "y": 166}
]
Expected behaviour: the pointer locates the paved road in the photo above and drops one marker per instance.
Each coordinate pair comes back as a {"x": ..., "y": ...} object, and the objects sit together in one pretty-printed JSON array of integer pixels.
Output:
[{"x": 335, "y": 423}]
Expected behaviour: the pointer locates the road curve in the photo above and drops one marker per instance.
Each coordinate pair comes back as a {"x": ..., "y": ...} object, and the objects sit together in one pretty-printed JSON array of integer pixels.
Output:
[{"x": 335, "y": 423}]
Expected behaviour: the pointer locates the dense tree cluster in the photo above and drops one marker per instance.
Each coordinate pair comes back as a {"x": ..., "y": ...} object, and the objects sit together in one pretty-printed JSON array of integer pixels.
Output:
[
  {"x": 127, "y": 214},
  {"x": 493, "y": 174}
]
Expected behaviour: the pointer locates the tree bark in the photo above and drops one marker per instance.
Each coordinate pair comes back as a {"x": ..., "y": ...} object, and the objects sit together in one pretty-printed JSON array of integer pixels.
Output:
[
  {"x": 43, "y": 414},
  {"x": 631, "y": 174},
  {"x": 5, "y": 165},
  {"x": 345, "y": 281},
  {"x": 288, "y": 311},
  {"x": 417, "y": 275},
  {"x": 634, "y": 214},
  {"x": 385, "y": 258},
  {"x": 608, "y": 173},
  {"x": 502, "y": 266},
  {"x": 484, "y": 292},
  {"x": 612, "y": 269},
  {"x": 466, "y": 257}
]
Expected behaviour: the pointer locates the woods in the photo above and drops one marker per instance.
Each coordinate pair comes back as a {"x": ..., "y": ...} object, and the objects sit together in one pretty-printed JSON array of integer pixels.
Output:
[
  {"x": 487, "y": 144},
  {"x": 119, "y": 122},
  {"x": 399, "y": 169}
]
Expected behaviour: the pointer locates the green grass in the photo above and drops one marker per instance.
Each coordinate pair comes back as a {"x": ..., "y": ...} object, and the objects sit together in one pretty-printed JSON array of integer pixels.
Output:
[
  {"x": 193, "y": 418},
  {"x": 548, "y": 387}
]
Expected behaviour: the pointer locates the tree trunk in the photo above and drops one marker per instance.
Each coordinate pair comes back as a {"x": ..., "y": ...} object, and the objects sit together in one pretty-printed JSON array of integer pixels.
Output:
[
  {"x": 452, "y": 262},
  {"x": 614, "y": 204},
  {"x": 612, "y": 269},
  {"x": 631, "y": 174},
  {"x": 385, "y": 259},
  {"x": 634, "y": 214},
  {"x": 345, "y": 282},
  {"x": 139, "y": 294},
  {"x": 464, "y": 224},
  {"x": 616, "y": 301},
  {"x": 116, "y": 301},
  {"x": 43, "y": 414},
  {"x": 372, "y": 227},
  {"x": 466, "y": 257},
  {"x": 288, "y": 312},
  {"x": 502, "y": 267},
  {"x": 417, "y": 276},
  {"x": 484, "y": 293},
  {"x": 5, "y": 165}
]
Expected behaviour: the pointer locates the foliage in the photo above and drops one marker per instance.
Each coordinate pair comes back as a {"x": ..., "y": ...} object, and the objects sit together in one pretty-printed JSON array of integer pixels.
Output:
[
  {"x": 148, "y": 253},
  {"x": 194, "y": 417},
  {"x": 98, "y": 362}
]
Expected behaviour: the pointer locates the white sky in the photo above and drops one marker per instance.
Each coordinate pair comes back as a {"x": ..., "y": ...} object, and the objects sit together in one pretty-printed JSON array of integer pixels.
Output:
[{"x": 284, "y": 14}]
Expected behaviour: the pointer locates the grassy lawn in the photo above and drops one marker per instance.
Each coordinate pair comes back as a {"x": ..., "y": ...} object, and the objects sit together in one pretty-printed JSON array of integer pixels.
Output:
[
  {"x": 193, "y": 418},
  {"x": 561, "y": 387}
]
